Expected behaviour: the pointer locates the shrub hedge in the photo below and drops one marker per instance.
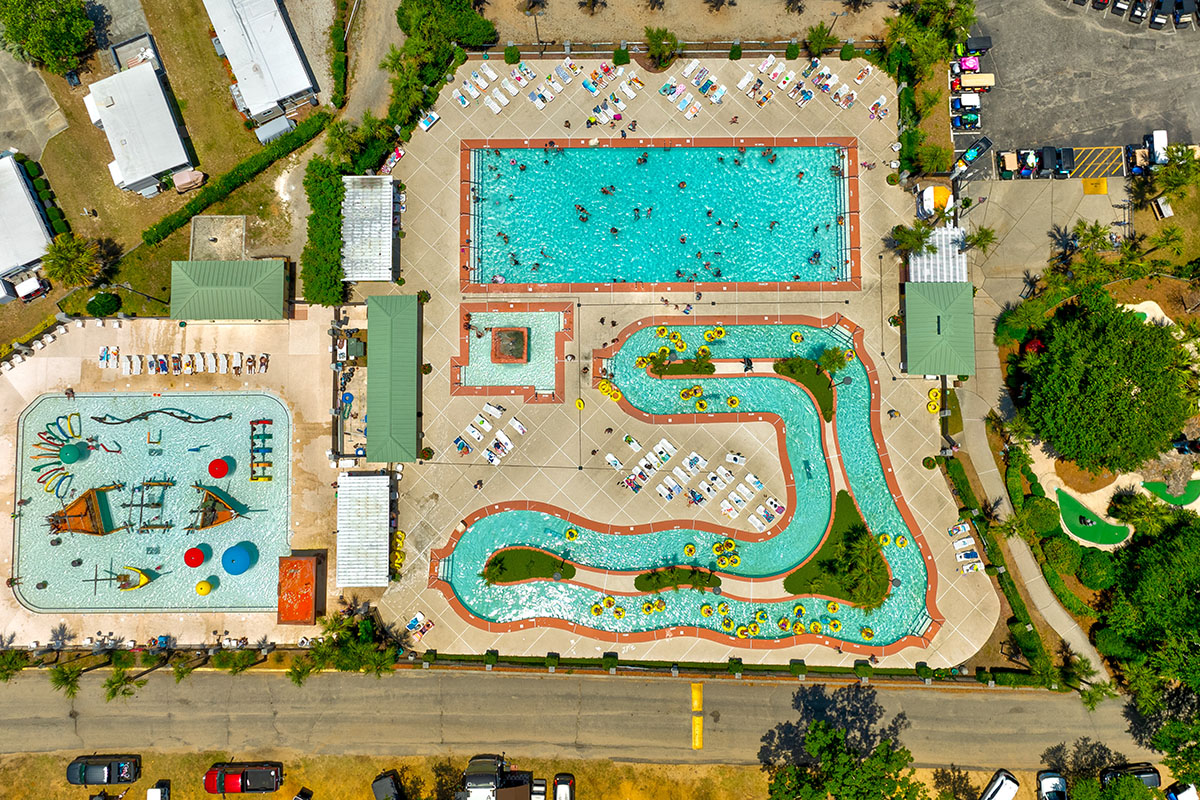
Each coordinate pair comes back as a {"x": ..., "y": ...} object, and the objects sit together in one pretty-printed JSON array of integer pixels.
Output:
[
  {"x": 847, "y": 52},
  {"x": 321, "y": 260},
  {"x": 1069, "y": 599},
  {"x": 337, "y": 35},
  {"x": 1112, "y": 644},
  {"x": 32, "y": 169},
  {"x": 512, "y": 54},
  {"x": 735, "y": 52},
  {"x": 1043, "y": 514},
  {"x": 620, "y": 57},
  {"x": 792, "y": 52},
  {"x": 1096, "y": 569},
  {"x": 1063, "y": 553},
  {"x": 242, "y": 173},
  {"x": 59, "y": 226}
]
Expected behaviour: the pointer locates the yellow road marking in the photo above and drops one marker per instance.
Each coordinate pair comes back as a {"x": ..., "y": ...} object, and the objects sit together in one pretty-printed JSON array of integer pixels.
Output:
[
  {"x": 697, "y": 732},
  {"x": 697, "y": 697}
]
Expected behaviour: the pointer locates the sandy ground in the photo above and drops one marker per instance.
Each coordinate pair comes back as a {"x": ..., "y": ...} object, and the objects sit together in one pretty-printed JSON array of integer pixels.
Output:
[
  {"x": 311, "y": 20},
  {"x": 749, "y": 21}
]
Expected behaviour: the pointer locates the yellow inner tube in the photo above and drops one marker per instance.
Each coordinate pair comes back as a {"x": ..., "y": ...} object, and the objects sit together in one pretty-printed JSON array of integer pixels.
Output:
[
  {"x": 742, "y": 631},
  {"x": 615, "y": 396},
  {"x": 729, "y": 544},
  {"x": 785, "y": 624},
  {"x": 722, "y": 561},
  {"x": 660, "y": 604},
  {"x": 662, "y": 331},
  {"x": 609, "y": 602},
  {"x": 814, "y": 627},
  {"x": 935, "y": 393},
  {"x": 867, "y": 634},
  {"x": 723, "y": 608},
  {"x": 709, "y": 336},
  {"x": 797, "y": 337},
  {"x": 885, "y": 539},
  {"x": 734, "y": 560},
  {"x": 835, "y": 625},
  {"x": 832, "y": 607},
  {"x": 689, "y": 549},
  {"x": 727, "y": 624},
  {"x": 901, "y": 541},
  {"x": 597, "y": 610},
  {"x": 579, "y": 403},
  {"x": 798, "y": 610},
  {"x": 851, "y": 355},
  {"x": 571, "y": 534},
  {"x": 647, "y": 607},
  {"x": 718, "y": 548},
  {"x": 760, "y": 615},
  {"x": 664, "y": 351},
  {"x": 933, "y": 406},
  {"x": 719, "y": 331},
  {"x": 697, "y": 391},
  {"x": 703, "y": 350},
  {"x": 706, "y": 610},
  {"x": 604, "y": 386},
  {"x": 619, "y": 612},
  {"x": 797, "y": 627},
  {"x": 685, "y": 394},
  {"x": 754, "y": 629},
  {"x": 733, "y": 402},
  {"x": 681, "y": 346},
  {"x": 640, "y": 362},
  {"x": 702, "y": 405}
]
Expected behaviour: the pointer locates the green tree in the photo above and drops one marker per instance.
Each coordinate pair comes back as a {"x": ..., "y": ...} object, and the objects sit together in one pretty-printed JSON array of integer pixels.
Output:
[
  {"x": 1126, "y": 787},
  {"x": 121, "y": 684},
  {"x": 832, "y": 360},
  {"x": 71, "y": 260},
  {"x": 1170, "y": 238},
  {"x": 934, "y": 158},
  {"x": 981, "y": 239},
  {"x": 661, "y": 45},
  {"x": 321, "y": 259},
  {"x": 12, "y": 662},
  {"x": 819, "y": 39},
  {"x": 1179, "y": 175},
  {"x": 302, "y": 667},
  {"x": 1107, "y": 393},
  {"x": 913, "y": 239},
  {"x": 65, "y": 678},
  {"x": 183, "y": 666},
  {"x": 838, "y": 771},
  {"x": 53, "y": 33},
  {"x": 1179, "y": 741}
]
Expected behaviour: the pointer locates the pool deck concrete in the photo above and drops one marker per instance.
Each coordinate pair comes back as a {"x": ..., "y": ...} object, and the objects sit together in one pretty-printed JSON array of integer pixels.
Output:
[
  {"x": 297, "y": 347},
  {"x": 553, "y": 464}
]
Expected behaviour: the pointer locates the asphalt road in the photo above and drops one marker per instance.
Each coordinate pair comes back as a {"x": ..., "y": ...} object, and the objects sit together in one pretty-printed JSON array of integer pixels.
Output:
[
  {"x": 542, "y": 716},
  {"x": 1068, "y": 75}
]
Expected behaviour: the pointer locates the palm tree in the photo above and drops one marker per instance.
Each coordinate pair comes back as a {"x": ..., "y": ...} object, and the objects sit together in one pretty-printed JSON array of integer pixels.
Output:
[
  {"x": 1179, "y": 175},
  {"x": 913, "y": 239},
  {"x": 856, "y": 5},
  {"x": 819, "y": 39},
  {"x": 121, "y": 684},
  {"x": 1091, "y": 235},
  {"x": 661, "y": 45},
  {"x": 71, "y": 261},
  {"x": 831, "y": 360},
  {"x": 1097, "y": 693},
  {"x": 182, "y": 667},
  {"x": 377, "y": 663},
  {"x": 12, "y": 662},
  {"x": 1170, "y": 238},
  {"x": 592, "y": 6},
  {"x": 393, "y": 61},
  {"x": 300, "y": 670},
  {"x": 981, "y": 238},
  {"x": 65, "y": 678}
]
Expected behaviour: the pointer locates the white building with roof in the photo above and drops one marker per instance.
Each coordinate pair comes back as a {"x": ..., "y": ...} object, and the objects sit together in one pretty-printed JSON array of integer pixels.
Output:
[
  {"x": 363, "y": 527},
  {"x": 947, "y": 264},
  {"x": 368, "y": 227},
  {"x": 131, "y": 108},
  {"x": 263, "y": 55},
  {"x": 25, "y": 232}
]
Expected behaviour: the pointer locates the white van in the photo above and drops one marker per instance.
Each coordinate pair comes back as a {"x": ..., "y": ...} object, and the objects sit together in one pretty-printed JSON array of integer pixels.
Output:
[
  {"x": 1158, "y": 147},
  {"x": 1003, "y": 786}
]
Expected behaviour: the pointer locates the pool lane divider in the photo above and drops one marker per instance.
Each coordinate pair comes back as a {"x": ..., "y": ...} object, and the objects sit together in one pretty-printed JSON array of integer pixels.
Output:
[
  {"x": 853, "y": 219},
  {"x": 857, "y": 337}
]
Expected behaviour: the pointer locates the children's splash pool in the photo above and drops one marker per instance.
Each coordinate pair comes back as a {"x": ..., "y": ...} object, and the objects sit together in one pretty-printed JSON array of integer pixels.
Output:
[
  {"x": 654, "y": 214},
  {"x": 594, "y": 545},
  {"x": 140, "y": 502}
]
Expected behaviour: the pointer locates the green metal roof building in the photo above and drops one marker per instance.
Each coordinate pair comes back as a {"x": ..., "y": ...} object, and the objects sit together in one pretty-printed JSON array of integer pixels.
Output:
[
  {"x": 939, "y": 328},
  {"x": 228, "y": 290},
  {"x": 393, "y": 378}
]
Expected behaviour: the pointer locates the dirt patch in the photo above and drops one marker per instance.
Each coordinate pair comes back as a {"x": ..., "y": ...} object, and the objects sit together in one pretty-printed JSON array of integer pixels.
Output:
[
  {"x": 1168, "y": 292},
  {"x": 749, "y": 21},
  {"x": 1186, "y": 210},
  {"x": 1080, "y": 480}
]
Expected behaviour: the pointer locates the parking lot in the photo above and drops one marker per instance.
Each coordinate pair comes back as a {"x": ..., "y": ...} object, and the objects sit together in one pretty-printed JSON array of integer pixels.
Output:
[{"x": 1069, "y": 75}]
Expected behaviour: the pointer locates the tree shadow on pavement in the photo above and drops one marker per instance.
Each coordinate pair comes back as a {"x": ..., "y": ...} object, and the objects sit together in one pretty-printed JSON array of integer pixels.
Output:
[
  {"x": 954, "y": 784},
  {"x": 854, "y": 708},
  {"x": 1178, "y": 703},
  {"x": 1084, "y": 760}
]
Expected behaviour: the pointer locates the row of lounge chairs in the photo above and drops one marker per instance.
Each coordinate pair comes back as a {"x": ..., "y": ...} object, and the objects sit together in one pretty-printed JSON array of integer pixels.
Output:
[
  {"x": 501, "y": 445},
  {"x": 184, "y": 363}
]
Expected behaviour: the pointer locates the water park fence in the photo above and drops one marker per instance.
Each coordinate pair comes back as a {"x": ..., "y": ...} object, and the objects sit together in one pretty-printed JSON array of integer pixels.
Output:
[{"x": 713, "y": 49}]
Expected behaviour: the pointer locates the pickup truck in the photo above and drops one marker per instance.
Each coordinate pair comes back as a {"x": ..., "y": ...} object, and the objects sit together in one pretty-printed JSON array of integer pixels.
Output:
[
  {"x": 243, "y": 778},
  {"x": 104, "y": 770}
]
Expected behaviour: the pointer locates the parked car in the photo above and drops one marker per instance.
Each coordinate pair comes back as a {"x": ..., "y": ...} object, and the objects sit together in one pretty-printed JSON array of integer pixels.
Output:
[
  {"x": 1158, "y": 17},
  {"x": 1185, "y": 11},
  {"x": 243, "y": 778},
  {"x": 537, "y": 789},
  {"x": 386, "y": 786},
  {"x": 965, "y": 122},
  {"x": 977, "y": 148},
  {"x": 1066, "y": 162},
  {"x": 1099, "y": 5},
  {"x": 1051, "y": 785},
  {"x": 104, "y": 770},
  {"x": 1142, "y": 770},
  {"x": 1180, "y": 791},
  {"x": 564, "y": 787},
  {"x": 1120, "y": 7},
  {"x": 1003, "y": 786},
  {"x": 1048, "y": 163},
  {"x": 965, "y": 102},
  {"x": 1139, "y": 12}
]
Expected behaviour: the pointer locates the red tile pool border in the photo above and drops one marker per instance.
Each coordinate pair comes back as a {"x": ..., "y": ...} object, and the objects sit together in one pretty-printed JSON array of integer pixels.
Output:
[
  {"x": 528, "y": 393},
  {"x": 853, "y": 218},
  {"x": 857, "y": 335}
]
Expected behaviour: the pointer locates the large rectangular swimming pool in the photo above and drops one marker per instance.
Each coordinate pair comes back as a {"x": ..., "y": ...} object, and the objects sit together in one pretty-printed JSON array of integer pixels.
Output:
[{"x": 654, "y": 214}]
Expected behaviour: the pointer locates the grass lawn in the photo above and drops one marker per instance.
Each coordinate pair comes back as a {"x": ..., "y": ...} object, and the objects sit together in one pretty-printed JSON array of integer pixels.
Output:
[
  {"x": 954, "y": 423},
  {"x": 674, "y": 577},
  {"x": 21, "y": 322},
  {"x": 521, "y": 564},
  {"x": 1187, "y": 217},
  {"x": 936, "y": 122},
  {"x": 845, "y": 517},
  {"x": 40, "y": 777},
  {"x": 147, "y": 269},
  {"x": 806, "y": 372}
]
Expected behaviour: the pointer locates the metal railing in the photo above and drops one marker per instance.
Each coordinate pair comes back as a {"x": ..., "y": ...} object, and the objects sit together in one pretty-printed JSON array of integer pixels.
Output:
[{"x": 694, "y": 49}]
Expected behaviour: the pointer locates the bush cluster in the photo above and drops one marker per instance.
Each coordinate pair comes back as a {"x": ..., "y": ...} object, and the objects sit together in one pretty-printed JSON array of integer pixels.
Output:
[
  {"x": 1096, "y": 569},
  {"x": 242, "y": 173},
  {"x": 512, "y": 54},
  {"x": 1063, "y": 553},
  {"x": 620, "y": 57},
  {"x": 337, "y": 33},
  {"x": 321, "y": 260},
  {"x": 792, "y": 52},
  {"x": 735, "y": 52}
]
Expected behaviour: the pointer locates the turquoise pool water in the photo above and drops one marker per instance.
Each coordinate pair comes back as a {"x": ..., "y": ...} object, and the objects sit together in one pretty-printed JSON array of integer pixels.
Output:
[
  {"x": 538, "y": 372},
  {"x": 547, "y": 242},
  {"x": 902, "y": 614},
  {"x": 77, "y": 572}
]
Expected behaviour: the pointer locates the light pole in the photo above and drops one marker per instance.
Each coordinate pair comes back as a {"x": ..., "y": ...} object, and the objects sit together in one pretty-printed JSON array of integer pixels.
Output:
[
  {"x": 536, "y": 31},
  {"x": 836, "y": 16}
]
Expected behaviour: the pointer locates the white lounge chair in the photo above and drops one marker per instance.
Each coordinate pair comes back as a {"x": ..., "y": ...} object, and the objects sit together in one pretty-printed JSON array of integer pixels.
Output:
[
  {"x": 127, "y": 365},
  {"x": 777, "y": 72},
  {"x": 692, "y": 111},
  {"x": 470, "y": 89},
  {"x": 544, "y": 93},
  {"x": 223, "y": 364},
  {"x": 488, "y": 71},
  {"x": 500, "y": 97},
  {"x": 718, "y": 96},
  {"x": 767, "y": 63},
  {"x": 490, "y": 103},
  {"x": 479, "y": 80},
  {"x": 745, "y": 81},
  {"x": 508, "y": 87},
  {"x": 555, "y": 85},
  {"x": 627, "y": 90},
  {"x": 236, "y": 361},
  {"x": 459, "y": 98},
  {"x": 493, "y": 410},
  {"x": 685, "y": 102},
  {"x": 691, "y": 67},
  {"x": 756, "y": 523},
  {"x": 538, "y": 103}
]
